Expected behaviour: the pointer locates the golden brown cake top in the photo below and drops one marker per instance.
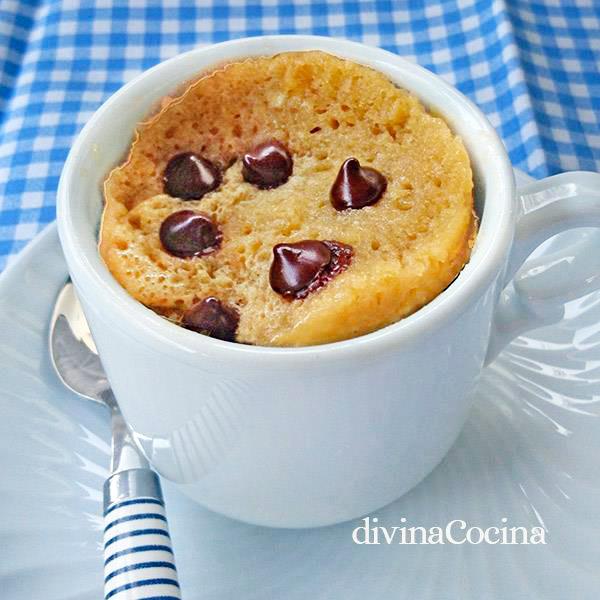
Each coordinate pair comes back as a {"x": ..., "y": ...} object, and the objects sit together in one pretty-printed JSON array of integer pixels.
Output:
[{"x": 407, "y": 246}]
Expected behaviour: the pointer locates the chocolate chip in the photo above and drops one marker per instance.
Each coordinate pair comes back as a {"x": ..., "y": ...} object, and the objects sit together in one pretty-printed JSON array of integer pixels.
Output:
[
  {"x": 356, "y": 186},
  {"x": 268, "y": 165},
  {"x": 187, "y": 233},
  {"x": 303, "y": 267},
  {"x": 212, "y": 317},
  {"x": 189, "y": 176},
  {"x": 296, "y": 265}
]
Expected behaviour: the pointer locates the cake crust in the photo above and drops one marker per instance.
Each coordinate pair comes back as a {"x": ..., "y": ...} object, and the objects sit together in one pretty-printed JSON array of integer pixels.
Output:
[{"x": 408, "y": 247}]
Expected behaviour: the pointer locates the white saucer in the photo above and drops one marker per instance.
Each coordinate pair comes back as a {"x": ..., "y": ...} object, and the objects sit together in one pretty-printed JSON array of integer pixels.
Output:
[{"x": 530, "y": 453}]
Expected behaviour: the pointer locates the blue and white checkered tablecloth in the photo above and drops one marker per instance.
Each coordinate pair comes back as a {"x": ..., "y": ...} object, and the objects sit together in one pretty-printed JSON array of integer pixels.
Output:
[{"x": 531, "y": 65}]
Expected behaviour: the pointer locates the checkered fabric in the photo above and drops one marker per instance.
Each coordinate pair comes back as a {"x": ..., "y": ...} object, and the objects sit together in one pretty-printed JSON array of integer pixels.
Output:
[{"x": 532, "y": 66}]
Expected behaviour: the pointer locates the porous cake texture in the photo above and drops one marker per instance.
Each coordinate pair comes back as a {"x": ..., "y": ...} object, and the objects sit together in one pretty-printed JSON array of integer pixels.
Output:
[{"x": 408, "y": 246}]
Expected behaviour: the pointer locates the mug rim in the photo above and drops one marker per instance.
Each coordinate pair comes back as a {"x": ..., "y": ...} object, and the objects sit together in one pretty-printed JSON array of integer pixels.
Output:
[{"x": 487, "y": 258}]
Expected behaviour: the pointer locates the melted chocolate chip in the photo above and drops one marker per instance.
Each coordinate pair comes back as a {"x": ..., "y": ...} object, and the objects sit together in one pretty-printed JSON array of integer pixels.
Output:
[
  {"x": 296, "y": 265},
  {"x": 303, "y": 267},
  {"x": 187, "y": 233},
  {"x": 356, "y": 186},
  {"x": 268, "y": 165},
  {"x": 212, "y": 317},
  {"x": 189, "y": 176}
]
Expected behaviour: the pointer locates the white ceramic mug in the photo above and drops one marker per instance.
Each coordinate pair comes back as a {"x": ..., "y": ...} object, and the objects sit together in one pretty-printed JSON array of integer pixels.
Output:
[{"x": 301, "y": 437}]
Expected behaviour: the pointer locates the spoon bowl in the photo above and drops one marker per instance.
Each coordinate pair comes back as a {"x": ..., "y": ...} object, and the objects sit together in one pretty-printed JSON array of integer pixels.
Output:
[{"x": 73, "y": 352}]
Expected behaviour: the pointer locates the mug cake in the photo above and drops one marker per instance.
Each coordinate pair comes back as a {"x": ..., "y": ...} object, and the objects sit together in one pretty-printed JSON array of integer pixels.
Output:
[{"x": 289, "y": 200}]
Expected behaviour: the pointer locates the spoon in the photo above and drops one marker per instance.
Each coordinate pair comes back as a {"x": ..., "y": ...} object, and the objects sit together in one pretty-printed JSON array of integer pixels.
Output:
[{"x": 137, "y": 547}]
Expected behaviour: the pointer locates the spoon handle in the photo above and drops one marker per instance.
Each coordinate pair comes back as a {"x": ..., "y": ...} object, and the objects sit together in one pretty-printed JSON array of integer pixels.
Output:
[{"x": 137, "y": 546}]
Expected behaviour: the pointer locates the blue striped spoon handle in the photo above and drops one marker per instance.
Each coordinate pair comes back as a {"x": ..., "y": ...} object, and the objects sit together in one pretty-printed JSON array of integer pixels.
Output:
[{"x": 138, "y": 556}]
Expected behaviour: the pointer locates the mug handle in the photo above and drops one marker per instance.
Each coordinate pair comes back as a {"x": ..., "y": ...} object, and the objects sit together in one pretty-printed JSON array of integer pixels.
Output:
[{"x": 537, "y": 289}]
